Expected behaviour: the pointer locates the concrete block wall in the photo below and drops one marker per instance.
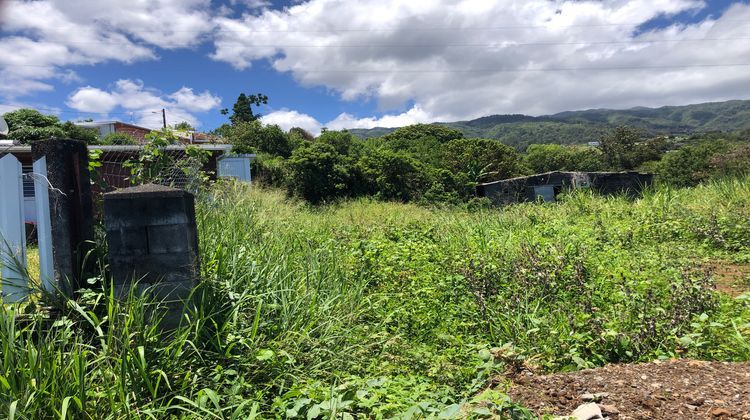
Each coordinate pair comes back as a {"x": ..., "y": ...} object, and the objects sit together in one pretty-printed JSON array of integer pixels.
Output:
[{"x": 153, "y": 241}]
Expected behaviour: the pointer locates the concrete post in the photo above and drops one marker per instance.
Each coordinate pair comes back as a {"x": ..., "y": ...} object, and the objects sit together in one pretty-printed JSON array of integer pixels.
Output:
[
  {"x": 71, "y": 209},
  {"x": 153, "y": 240}
]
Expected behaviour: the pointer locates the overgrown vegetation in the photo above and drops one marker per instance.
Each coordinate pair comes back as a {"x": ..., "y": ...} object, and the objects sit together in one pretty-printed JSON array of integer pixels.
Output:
[
  {"x": 27, "y": 125},
  {"x": 376, "y": 310}
]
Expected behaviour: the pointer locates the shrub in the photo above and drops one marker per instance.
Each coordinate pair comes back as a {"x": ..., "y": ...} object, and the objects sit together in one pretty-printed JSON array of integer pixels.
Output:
[
  {"x": 553, "y": 157},
  {"x": 119, "y": 139},
  {"x": 317, "y": 173},
  {"x": 254, "y": 137},
  {"x": 482, "y": 160},
  {"x": 393, "y": 175}
]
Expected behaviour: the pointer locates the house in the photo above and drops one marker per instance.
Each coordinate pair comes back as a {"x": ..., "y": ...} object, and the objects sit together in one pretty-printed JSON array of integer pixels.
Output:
[
  {"x": 108, "y": 127},
  {"x": 139, "y": 133},
  {"x": 549, "y": 185}
]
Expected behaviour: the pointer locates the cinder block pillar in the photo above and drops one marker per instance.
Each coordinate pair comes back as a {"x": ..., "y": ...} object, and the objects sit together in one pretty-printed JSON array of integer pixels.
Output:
[
  {"x": 153, "y": 240},
  {"x": 71, "y": 209}
]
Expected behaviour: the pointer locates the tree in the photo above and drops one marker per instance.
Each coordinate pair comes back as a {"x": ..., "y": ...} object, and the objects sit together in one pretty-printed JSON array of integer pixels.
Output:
[
  {"x": 625, "y": 148},
  {"x": 440, "y": 133},
  {"x": 687, "y": 166},
  {"x": 482, "y": 160},
  {"x": 317, "y": 173},
  {"x": 254, "y": 137},
  {"x": 393, "y": 175},
  {"x": 342, "y": 141},
  {"x": 242, "y": 111},
  {"x": 554, "y": 157},
  {"x": 423, "y": 142},
  {"x": 184, "y": 126},
  {"x": 27, "y": 125}
]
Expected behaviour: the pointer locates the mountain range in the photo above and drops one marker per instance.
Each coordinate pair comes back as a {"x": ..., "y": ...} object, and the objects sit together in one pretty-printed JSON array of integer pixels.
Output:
[{"x": 580, "y": 127}]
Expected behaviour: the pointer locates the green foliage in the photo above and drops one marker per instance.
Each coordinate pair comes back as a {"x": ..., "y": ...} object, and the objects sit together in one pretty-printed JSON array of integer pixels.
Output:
[
  {"x": 341, "y": 141},
  {"x": 554, "y": 157},
  {"x": 26, "y": 117},
  {"x": 689, "y": 165},
  {"x": 482, "y": 160},
  {"x": 415, "y": 132},
  {"x": 242, "y": 111},
  {"x": 155, "y": 165},
  {"x": 393, "y": 175},
  {"x": 184, "y": 126},
  {"x": 379, "y": 309},
  {"x": 318, "y": 172},
  {"x": 254, "y": 137},
  {"x": 734, "y": 163},
  {"x": 625, "y": 149},
  {"x": 27, "y": 125},
  {"x": 119, "y": 139},
  {"x": 270, "y": 170}
]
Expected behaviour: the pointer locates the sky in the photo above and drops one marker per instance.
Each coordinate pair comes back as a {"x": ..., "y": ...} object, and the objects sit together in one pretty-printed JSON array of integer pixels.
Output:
[{"x": 367, "y": 63}]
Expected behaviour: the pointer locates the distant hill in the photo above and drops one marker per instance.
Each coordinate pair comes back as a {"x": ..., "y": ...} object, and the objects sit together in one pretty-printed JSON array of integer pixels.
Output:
[{"x": 577, "y": 127}]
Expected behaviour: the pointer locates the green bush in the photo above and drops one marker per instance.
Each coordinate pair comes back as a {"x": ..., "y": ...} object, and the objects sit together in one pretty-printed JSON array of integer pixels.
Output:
[
  {"x": 119, "y": 139},
  {"x": 317, "y": 173},
  {"x": 369, "y": 309},
  {"x": 553, "y": 157},
  {"x": 392, "y": 175},
  {"x": 27, "y": 125},
  {"x": 254, "y": 137}
]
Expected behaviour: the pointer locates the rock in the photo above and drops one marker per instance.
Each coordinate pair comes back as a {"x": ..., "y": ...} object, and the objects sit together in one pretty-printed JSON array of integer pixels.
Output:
[
  {"x": 697, "y": 401},
  {"x": 609, "y": 410},
  {"x": 594, "y": 397},
  {"x": 588, "y": 411},
  {"x": 720, "y": 412},
  {"x": 691, "y": 407}
]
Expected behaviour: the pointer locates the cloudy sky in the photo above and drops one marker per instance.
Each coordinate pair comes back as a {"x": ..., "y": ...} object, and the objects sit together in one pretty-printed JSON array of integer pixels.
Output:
[{"x": 366, "y": 63}]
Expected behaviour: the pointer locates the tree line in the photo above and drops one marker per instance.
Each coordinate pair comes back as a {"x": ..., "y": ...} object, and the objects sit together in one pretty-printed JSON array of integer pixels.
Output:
[{"x": 426, "y": 163}]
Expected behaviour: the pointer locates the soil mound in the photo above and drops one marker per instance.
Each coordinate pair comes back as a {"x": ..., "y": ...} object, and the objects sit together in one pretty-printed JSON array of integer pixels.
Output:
[{"x": 675, "y": 389}]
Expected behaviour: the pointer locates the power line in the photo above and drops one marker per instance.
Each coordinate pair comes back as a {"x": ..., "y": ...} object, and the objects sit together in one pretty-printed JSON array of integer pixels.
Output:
[
  {"x": 416, "y": 29},
  {"x": 500, "y": 43},
  {"x": 502, "y": 70}
]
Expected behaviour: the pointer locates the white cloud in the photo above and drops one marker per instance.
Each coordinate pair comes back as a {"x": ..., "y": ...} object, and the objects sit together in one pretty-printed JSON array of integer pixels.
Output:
[
  {"x": 91, "y": 99},
  {"x": 42, "y": 38},
  {"x": 460, "y": 59},
  {"x": 144, "y": 103},
  {"x": 186, "y": 98},
  {"x": 287, "y": 119}
]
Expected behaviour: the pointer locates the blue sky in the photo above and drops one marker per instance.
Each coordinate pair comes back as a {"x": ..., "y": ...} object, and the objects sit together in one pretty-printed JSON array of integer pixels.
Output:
[{"x": 348, "y": 64}]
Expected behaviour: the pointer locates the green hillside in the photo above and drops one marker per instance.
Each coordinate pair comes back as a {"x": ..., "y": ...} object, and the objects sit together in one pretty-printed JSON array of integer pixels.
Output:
[{"x": 576, "y": 127}]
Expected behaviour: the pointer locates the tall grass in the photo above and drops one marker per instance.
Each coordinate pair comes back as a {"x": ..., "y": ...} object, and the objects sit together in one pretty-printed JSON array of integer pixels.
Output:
[{"x": 378, "y": 309}]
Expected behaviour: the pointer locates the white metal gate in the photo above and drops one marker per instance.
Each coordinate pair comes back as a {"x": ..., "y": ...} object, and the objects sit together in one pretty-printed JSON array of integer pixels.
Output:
[{"x": 14, "y": 285}]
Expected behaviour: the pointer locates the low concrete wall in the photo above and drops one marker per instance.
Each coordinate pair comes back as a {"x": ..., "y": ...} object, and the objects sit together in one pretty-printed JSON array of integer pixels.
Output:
[{"x": 153, "y": 240}]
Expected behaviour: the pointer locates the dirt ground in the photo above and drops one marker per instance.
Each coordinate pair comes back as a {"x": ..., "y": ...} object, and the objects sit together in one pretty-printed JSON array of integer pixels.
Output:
[
  {"x": 675, "y": 389},
  {"x": 732, "y": 279}
]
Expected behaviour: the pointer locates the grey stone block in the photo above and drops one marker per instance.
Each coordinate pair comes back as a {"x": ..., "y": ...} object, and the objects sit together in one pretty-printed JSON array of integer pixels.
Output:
[{"x": 152, "y": 238}]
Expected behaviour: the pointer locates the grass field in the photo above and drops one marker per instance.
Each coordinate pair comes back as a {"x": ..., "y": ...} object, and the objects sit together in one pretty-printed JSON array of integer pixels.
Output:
[{"x": 371, "y": 309}]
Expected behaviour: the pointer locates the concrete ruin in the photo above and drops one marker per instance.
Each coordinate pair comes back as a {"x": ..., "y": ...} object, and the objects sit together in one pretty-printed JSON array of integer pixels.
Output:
[{"x": 549, "y": 185}]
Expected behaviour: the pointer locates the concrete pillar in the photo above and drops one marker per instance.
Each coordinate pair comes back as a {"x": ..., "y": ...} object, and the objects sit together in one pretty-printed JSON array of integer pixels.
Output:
[
  {"x": 71, "y": 209},
  {"x": 153, "y": 240}
]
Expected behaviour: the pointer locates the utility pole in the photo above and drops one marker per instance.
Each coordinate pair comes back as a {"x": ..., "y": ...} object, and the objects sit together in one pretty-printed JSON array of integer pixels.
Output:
[{"x": 164, "y": 117}]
